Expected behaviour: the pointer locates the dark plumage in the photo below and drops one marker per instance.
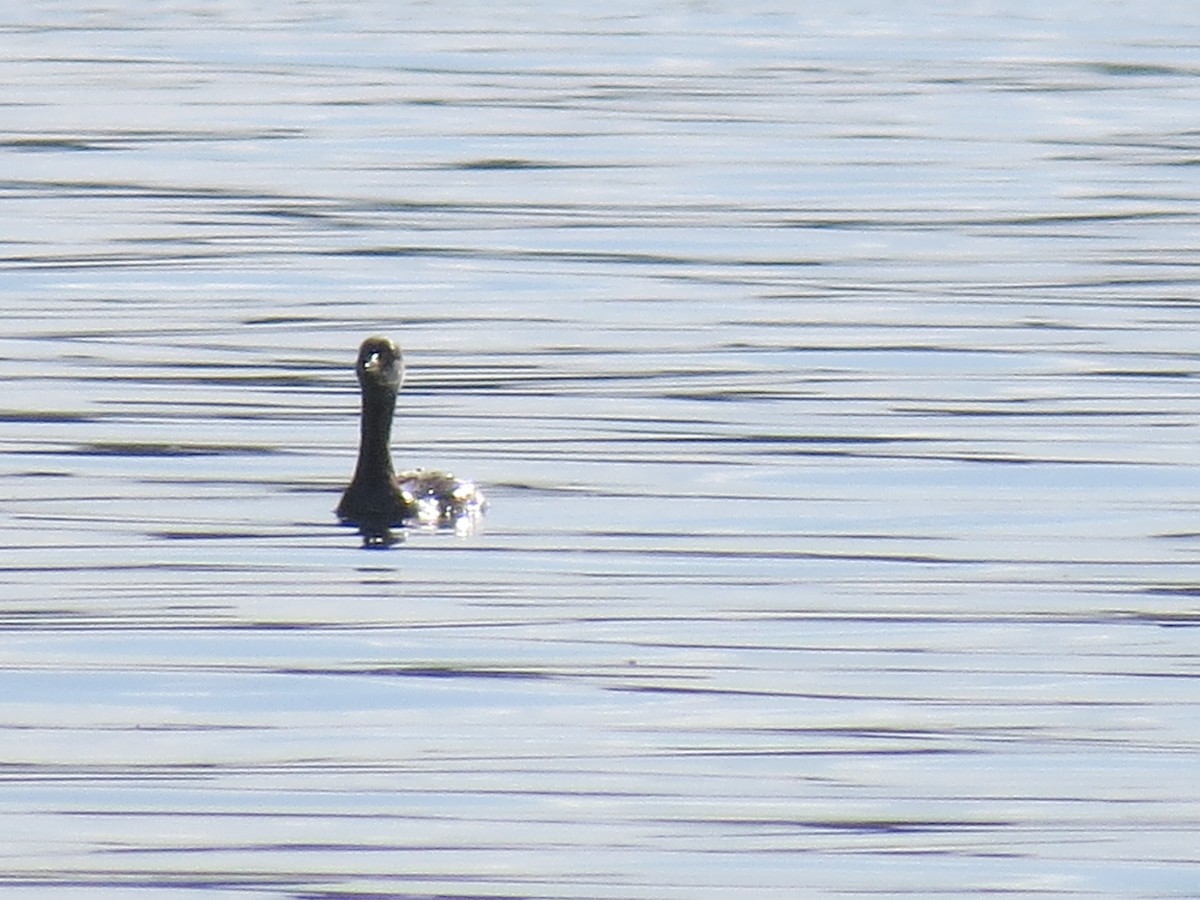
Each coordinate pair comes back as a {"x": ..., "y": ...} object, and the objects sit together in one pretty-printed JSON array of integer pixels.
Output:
[{"x": 378, "y": 498}]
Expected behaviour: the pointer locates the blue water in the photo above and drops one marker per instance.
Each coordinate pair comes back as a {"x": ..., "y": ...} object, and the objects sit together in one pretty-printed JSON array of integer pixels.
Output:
[{"x": 832, "y": 375}]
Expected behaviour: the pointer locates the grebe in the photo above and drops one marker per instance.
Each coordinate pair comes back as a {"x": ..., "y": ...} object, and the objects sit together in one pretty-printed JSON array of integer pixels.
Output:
[{"x": 378, "y": 497}]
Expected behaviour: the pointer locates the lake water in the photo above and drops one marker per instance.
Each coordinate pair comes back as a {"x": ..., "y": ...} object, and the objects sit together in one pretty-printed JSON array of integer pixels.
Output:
[{"x": 833, "y": 375}]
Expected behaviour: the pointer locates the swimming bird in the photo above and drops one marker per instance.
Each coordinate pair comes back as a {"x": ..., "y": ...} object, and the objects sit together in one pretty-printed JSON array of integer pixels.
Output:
[{"x": 378, "y": 498}]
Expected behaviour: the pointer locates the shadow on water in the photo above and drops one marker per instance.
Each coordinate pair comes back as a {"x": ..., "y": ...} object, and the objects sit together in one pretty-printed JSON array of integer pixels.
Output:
[{"x": 832, "y": 385}]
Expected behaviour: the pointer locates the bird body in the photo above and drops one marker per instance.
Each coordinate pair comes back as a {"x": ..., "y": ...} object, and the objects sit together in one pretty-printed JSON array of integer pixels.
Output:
[{"x": 378, "y": 498}]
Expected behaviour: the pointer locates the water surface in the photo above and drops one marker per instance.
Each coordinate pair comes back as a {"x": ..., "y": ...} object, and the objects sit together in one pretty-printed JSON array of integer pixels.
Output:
[{"x": 832, "y": 376}]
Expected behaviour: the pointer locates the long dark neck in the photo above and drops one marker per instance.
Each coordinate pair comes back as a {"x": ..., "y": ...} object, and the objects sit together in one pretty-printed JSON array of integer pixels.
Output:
[{"x": 374, "y": 457}]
